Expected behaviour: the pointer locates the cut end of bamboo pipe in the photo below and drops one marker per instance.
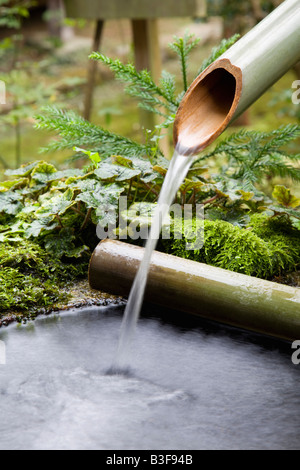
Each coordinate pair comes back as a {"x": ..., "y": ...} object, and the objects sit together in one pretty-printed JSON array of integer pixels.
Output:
[{"x": 207, "y": 107}]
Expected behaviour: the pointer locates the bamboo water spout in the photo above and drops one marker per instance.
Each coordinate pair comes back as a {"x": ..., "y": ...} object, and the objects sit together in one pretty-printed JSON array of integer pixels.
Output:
[
  {"x": 188, "y": 286},
  {"x": 226, "y": 88}
]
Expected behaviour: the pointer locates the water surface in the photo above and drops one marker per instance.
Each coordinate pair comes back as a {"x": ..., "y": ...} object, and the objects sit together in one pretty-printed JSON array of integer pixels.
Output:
[{"x": 192, "y": 385}]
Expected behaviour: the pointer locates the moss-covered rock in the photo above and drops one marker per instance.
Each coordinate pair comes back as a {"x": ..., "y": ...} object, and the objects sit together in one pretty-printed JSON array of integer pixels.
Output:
[
  {"x": 265, "y": 248},
  {"x": 31, "y": 279}
]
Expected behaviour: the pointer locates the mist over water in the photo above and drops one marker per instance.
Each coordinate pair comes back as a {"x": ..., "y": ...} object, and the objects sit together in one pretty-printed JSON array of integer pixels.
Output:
[{"x": 178, "y": 169}]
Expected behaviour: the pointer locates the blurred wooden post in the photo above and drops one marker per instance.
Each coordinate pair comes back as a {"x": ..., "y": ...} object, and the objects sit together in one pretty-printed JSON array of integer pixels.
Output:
[
  {"x": 144, "y": 45},
  {"x": 88, "y": 104},
  {"x": 148, "y": 56},
  {"x": 55, "y": 11}
]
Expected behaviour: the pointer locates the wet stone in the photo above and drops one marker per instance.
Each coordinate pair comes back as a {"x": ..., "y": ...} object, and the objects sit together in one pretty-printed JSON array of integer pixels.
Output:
[{"x": 81, "y": 296}]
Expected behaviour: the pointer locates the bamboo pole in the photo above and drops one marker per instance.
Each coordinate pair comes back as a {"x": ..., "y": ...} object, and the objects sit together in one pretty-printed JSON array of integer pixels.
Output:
[
  {"x": 238, "y": 78},
  {"x": 188, "y": 286}
]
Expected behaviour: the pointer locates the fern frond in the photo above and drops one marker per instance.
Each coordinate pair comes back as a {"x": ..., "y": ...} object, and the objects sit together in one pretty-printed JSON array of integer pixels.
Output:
[
  {"x": 182, "y": 47},
  {"x": 141, "y": 84},
  {"x": 253, "y": 155},
  {"x": 168, "y": 85},
  {"x": 282, "y": 136},
  {"x": 218, "y": 51},
  {"x": 282, "y": 169},
  {"x": 146, "y": 97},
  {"x": 76, "y": 131},
  {"x": 152, "y": 109}
]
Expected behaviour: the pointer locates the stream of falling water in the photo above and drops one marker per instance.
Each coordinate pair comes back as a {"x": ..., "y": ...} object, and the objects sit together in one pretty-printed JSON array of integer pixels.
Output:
[{"x": 178, "y": 169}]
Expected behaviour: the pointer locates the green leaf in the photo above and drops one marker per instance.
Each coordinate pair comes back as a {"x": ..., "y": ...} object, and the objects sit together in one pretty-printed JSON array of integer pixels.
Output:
[
  {"x": 246, "y": 196},
  {"x": 252, "y": 156},
  {"x": 43, "y": 172},
  {"x": 146, "y": 169},
  {"x": 93, "y": 156},
  {"x": 62, "y": 244},
  {"x": 63, "y": 176},
  {"x": 95, "y": 195},
  {"x": 8, "y": 237},
  {"x": 190, "y": 185},
  {"x": 168, "y": 85},
  {"x": 196, "y": 171},
  {"x": 108, "y": 204},
  {"x": 280, "y": 210},
  {"x": 27, "y": 210},
  {"x": 92, "y": 199},
  {"x": 24, "y": 170},
  {"x": 77, "y": 252},
  {"x": 6, "y": 185},
  {"x": 12, "y": 233},
  {"x": 86, "y": 185},
  {"x": 283, "y": 195},
  {"x": 36, "y": 227},
  {"x": 10, "y": 202},
  {"x": 108, "y": 170},
  {"x": 123, "y": 161},
  {"x": 57, "y": 205},
  {"x": 107, "y": 215},
  {"x": 162, "y": 171},
  {"x": 76, "y": 131},
  {"x": 141, "y": 84}
]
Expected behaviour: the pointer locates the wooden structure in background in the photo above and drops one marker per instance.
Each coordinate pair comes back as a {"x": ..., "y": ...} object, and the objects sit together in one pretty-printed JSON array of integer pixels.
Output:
[
  {"x": 144, "y": 15},
  {"x": 137, "y": 9}
]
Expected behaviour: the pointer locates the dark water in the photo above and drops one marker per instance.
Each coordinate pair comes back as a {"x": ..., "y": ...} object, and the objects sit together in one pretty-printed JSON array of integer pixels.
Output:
[{"x": 192, "y": 385}]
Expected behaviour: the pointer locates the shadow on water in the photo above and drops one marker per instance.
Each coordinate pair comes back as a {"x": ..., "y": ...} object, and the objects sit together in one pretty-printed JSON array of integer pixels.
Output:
[{"x": 185, "y": 322}]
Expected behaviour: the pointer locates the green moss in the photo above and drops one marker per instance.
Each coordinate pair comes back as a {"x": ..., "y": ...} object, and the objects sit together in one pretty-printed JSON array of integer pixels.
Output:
[
  {"x": 31, "y": 279},
  {"x": 21, "y": 292},
  {"x": 265, "y": 248}
]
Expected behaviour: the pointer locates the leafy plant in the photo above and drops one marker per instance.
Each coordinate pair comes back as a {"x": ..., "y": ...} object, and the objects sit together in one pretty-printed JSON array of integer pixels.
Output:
[
  {"x": 162, "y": 99},
  {"x": 52, "y": 214},
  {"x": 284, "y": 197},
  {"x": 251, "y": 156},
  {"x": 182, "y": 47},
  {"x": 74, "y": 131},
  {"x": 232, "y": 193}
]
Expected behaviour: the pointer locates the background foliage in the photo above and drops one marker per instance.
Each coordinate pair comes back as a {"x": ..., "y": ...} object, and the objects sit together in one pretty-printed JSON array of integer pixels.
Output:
[{"x": 48, "y": 215}]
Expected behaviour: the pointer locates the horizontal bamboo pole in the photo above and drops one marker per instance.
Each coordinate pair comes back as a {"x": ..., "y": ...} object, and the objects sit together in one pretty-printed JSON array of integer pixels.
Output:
[
  {"x": 217, "y": 294},
  {"x": 238, "y": 78}
]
